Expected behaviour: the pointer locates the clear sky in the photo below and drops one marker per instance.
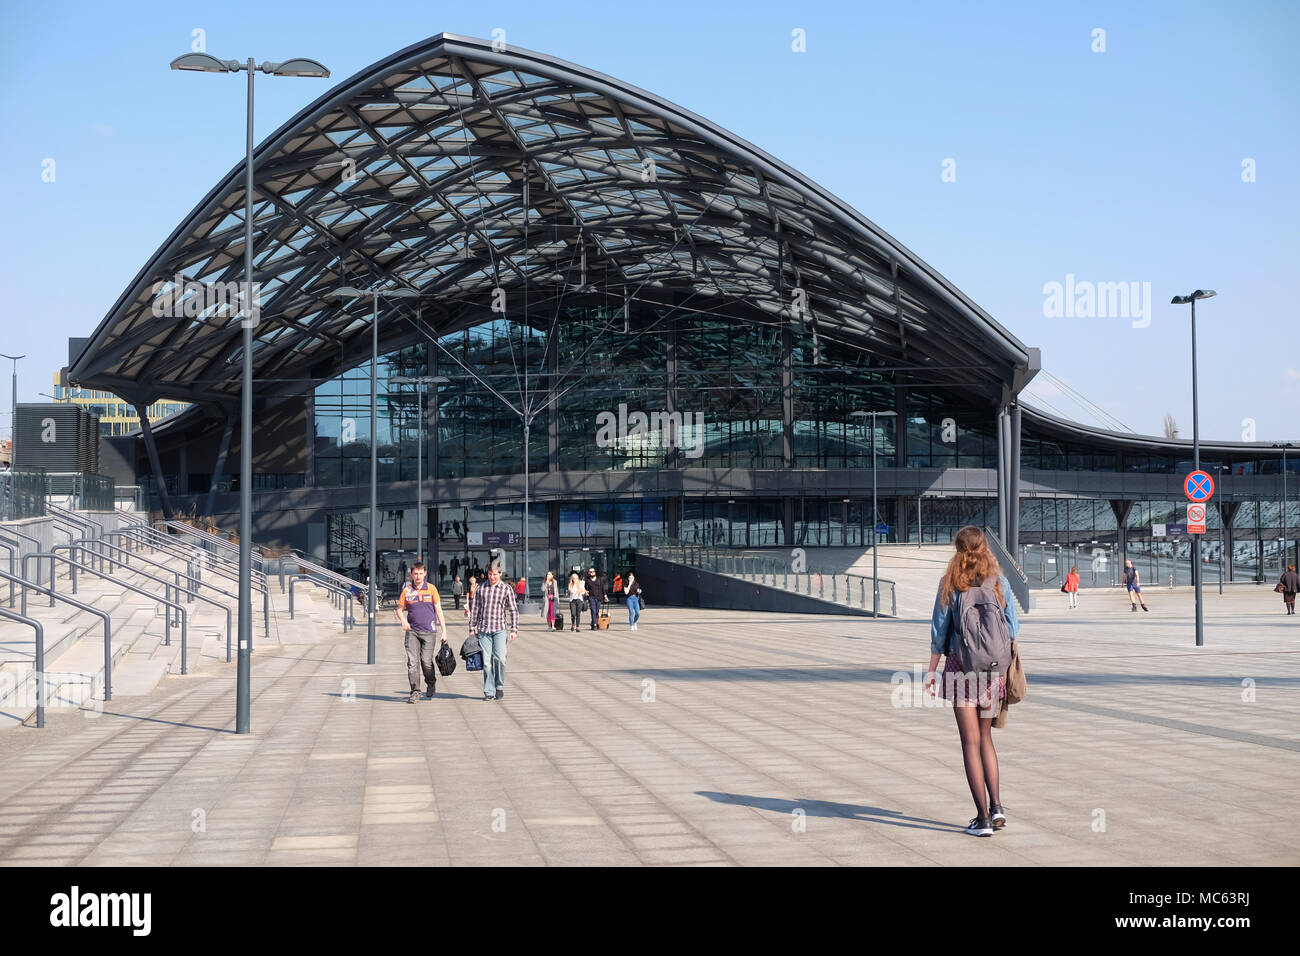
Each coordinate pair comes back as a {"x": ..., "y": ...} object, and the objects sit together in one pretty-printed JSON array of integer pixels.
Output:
[{"x": 1122, "y": 165}]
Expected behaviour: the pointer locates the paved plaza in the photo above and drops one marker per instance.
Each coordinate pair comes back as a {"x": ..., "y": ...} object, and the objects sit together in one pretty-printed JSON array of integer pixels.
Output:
[{"x": 706, "y": 737}]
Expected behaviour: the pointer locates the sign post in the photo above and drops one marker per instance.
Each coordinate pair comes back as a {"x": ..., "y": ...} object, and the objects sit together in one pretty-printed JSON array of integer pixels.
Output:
[{"x": 1198, "y": 486}]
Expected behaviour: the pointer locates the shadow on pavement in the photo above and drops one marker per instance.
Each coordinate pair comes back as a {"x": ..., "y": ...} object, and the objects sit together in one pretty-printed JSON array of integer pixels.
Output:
[{"x": 823, "y": 808}]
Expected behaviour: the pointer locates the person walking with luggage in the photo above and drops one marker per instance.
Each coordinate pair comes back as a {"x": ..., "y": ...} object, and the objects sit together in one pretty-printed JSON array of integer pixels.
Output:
[
  {"x": 972, "y": 582},
  {"x": 1072, "y": 586},
  {"x": 576, "y": 591},
  {"x": 550, "y": 600},
  {"x": 595, "y": 595},
  {"x": 1133, "y": 586},
  {"x": 493, "y": 614},
  {"x": 417, "y": 610},
  {"x": 633, "y": 590},
  {"x": 1289, "y": 584},
  {"x": 457, "y": 589}
]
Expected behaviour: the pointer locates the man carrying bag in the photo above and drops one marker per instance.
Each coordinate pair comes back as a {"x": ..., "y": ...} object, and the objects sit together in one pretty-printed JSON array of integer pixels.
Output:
[{"x": 417, "y": 609}]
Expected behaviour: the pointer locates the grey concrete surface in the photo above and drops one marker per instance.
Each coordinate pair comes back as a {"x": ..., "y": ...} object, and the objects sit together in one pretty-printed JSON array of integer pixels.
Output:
[{"x": 706, "y": 737}]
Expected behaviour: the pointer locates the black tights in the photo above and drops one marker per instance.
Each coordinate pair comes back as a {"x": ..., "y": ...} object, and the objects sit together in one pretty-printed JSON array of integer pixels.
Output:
[{"x": 978, "y": 755}]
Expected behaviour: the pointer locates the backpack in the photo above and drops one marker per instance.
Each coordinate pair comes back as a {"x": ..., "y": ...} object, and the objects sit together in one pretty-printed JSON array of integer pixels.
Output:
[
  {"x": 983, "y": 639},
  {"x": 445, "y": 660}
]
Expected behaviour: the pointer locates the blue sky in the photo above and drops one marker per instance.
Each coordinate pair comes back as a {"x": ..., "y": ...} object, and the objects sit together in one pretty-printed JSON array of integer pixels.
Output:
[{"x": 1117, "y": 166}]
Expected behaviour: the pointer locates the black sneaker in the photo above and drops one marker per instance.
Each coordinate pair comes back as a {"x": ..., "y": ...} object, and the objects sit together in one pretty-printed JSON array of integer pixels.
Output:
[
  {"x": 979, "y": 827},
  {"x": 501, "y": 695},
  {"x": 488, "y": 697},
  {"x": 1145, "y": 608},
  {"x": 996, "y": 816},
  {"x": 428, "y": 693}
]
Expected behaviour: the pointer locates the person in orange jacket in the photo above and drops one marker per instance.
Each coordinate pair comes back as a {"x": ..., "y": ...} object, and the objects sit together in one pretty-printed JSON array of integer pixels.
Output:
[{"x": 1072, "y": 586}]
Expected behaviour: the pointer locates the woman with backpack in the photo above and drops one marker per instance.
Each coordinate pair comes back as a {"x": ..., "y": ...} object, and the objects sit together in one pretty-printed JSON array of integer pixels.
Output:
[{"x": 973, "y": 582}]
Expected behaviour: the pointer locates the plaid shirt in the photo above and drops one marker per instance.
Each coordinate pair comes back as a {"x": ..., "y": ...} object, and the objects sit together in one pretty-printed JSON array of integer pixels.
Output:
[{"x": 487, "y": 610}]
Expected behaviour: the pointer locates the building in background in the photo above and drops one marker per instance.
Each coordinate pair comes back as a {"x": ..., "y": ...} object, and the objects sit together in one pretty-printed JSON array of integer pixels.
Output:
[{"x": 116, "y": 417}]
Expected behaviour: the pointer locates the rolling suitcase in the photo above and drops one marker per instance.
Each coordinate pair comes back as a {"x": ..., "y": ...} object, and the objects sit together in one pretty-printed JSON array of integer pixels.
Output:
[
  {"x": 559, "y": 621},
  {"x": 602, "y": 622}
]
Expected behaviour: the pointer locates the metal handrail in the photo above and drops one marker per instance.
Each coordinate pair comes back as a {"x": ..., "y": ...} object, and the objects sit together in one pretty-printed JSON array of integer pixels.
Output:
[
  {"x": 349, "y": 619},
  {"x": 166, "y": 602},
  {"x": 209, "y": 537},
  {"x": 197, "y": 580},
  {"x": 1014, "y": 574},
  {"x": 104, "y": 615},
  {"x": 40, "y": 658},
  {"x": 173, "y": 545},
  {"x": 11, "y": 548},
  {"x": 19, "y": 534},
  {"x": 193, "y": 595},
  {"x": 307, "y": 566}
]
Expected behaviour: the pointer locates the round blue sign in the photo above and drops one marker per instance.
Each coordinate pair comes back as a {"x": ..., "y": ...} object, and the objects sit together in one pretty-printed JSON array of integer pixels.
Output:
[{"x": 1198, "y": 486}]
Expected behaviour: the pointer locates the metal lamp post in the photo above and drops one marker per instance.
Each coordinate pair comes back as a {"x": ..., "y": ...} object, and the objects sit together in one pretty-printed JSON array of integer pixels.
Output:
[
  {"x": 1284, "y": 445},
  {"x": 875, "y": 520},
  {"x": 1196, "y": 457},
  {"x": 205, "y": 63},
  {"x": 375, "y": 293},
  {"x": 422, "y": 381},
  {"x": 13, "y": 409}
]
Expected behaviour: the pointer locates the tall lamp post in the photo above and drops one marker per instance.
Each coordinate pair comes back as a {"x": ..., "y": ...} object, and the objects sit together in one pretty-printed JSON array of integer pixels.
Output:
[
  {"x": 1196, "y": 457},
  {"x": 13, "y": 409},
  {"x": 206, "y": 63},
  {"x": 375, "y": 292},
  {"x": 1284, "y": 445},
  {"x": 422, "y": 381},
  {"x": 875, "y": 577}
]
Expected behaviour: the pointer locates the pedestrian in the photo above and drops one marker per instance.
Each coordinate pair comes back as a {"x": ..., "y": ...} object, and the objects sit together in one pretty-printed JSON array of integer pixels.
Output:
[
  {"x": 521, "y": 588},
  {"x": 1289, "y": 585},
  {"x": 970, "y": 567},
  {"x": 363, "y": 571},
  {"x": 417, "y": 609},
  {"x": 575, "y": 600},
  {"x": 455, "y": 565},
  {"x": 1133, "y": 586},
  {"x": 442, "y": 571},
  {"x": 550, "y": 600},
  {"x": 617, "y": 587},
  {"x": 595, "y": 595},
  {"x": 1072, "y": 586},
  {"x": 457, "y": 590},
  {"x": 493, "y": 614},
  {"x": 633, "y": 590}
]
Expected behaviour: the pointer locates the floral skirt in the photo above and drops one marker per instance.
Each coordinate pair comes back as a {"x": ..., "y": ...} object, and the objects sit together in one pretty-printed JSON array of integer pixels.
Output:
[{"x": 959, "y": 687}]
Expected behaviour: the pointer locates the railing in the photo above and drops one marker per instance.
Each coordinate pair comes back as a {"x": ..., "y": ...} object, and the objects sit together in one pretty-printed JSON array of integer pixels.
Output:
[
  {"x": 165, "y": 602},
  {"x": 336, "y": 593},
  {"x": 134, "y": 495},
  {"x": 851, "y": 590},
  {"x": 86, "y": 492},
  {"x": 40, "y": 658},
  {"x": 22, "y": 495},
  {"x": 1014, "y": 575},
  {"x": 102, "y": 615}
]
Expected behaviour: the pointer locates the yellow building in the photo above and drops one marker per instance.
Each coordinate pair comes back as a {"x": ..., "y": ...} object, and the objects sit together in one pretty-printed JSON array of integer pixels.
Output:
[{"x": 116, "y": 417}]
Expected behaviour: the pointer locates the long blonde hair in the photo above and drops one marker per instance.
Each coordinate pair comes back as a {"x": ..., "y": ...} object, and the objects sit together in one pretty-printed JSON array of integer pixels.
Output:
[{"x": 973, "y": 561}]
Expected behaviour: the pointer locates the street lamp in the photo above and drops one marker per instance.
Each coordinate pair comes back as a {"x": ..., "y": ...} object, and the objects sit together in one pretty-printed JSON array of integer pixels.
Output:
[
  {"x": 13, "y": 409},
  {"x": 422, "y": 381},
  {"x": 375, "y": 292},
  {"x": 1284, "y": 445},
  {"x": 875, "y": 579},
  {"x": 1196, "y": 456},
  {"x": 206, "y": 63}
]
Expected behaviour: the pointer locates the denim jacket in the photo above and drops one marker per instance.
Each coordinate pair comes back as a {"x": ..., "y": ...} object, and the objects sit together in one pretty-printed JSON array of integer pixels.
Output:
[{"x": 943, "y": 622}]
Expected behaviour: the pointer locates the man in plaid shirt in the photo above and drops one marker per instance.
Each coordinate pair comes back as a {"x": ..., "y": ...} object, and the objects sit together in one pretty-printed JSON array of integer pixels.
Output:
[{"x": 488, "y": 619}]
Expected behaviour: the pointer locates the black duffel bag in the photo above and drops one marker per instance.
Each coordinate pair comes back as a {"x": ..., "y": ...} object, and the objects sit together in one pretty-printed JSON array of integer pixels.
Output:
[{"x": 445, "y": 660}]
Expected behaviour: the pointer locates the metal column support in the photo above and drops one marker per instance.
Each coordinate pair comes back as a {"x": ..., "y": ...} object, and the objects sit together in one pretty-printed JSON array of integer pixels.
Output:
[
  {"x": 142, "y": 413},
  {"x": 1121, "y": 508},
  {"x": 1013, "y": 477},
  {"x": 787, "y": 397},
  {"x": 1004, "y": 474},
  {"x": 219, "y": 468}
]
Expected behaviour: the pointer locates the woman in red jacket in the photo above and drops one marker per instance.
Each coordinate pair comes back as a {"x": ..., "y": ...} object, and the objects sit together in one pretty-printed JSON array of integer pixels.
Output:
[{"x": 1072, "y": 586}]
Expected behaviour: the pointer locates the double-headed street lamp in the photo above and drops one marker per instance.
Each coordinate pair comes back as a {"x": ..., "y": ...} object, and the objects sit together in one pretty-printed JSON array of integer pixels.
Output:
[
  {"x": 206, "y": 63},
  {"x": 1196, "y": 457},
  {"x": 875, "y": 577},
  {"x": 375, "y": 292},
  {"x": 422, "y": 381}
]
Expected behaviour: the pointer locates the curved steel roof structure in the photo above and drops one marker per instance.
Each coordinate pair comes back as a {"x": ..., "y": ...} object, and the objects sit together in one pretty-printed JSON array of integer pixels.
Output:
[{"x": 451, "y": 168}]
